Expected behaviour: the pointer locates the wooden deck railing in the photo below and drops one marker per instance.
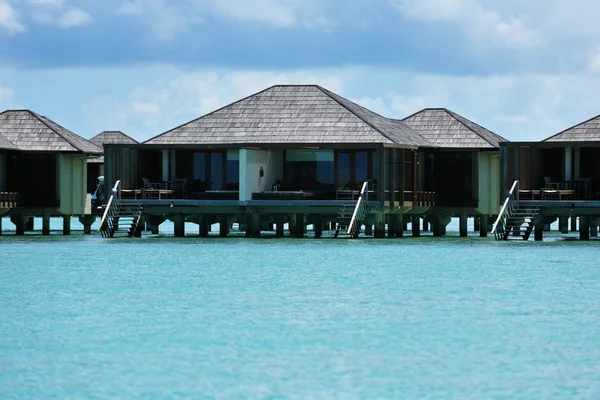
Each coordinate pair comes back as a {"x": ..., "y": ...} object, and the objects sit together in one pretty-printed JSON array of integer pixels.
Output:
[
  {"x": 8, "y": 199},
  {"x": 512, "y": 199}
]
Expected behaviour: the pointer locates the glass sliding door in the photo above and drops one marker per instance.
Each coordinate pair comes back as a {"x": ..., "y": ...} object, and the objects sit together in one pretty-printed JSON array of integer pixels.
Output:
[{"x": 216, "y": 171}]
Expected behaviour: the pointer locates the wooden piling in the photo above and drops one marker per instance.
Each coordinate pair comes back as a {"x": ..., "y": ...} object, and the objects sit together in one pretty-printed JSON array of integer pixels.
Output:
[
  {"x": 203, "y": 227},
  {"x": 539, "y": 229},
  {"x": 483, "y": 223},
  {"x": 379, "y": 226},
  {"x": 279, "y": 227},
  {"x": 416, "y": 221},
  {"x": 179, "y": 225},
  {"x": 477, "y": 224},
  {"x": 224, "y": 226},
  {"x": 299, "y": 227},
  {"x": 46, "y": 224},
  {"x": 573, "y": 224},
  {"x": 399, "y": 226},
  {"x": 318, "y": 224},
  {"x": 463, "y": 225},
  {"x": 563, "y": 225},
  {"x": 256, "y": 225},
  {"x": 584, "y": 228},
  {"x": 66, "y": 225}
]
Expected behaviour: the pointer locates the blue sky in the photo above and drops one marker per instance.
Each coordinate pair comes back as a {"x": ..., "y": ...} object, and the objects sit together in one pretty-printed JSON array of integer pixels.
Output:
[{"x": 525, "y": 71}]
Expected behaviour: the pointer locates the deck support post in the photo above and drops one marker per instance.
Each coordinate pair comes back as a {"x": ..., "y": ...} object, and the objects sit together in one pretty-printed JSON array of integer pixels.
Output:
[
  {"x": 318, "y": 224},
  {"x": 179, "y": 225},
  {"x": 87, "y": 221},
  {"x": 66, "y": 225},
  {"x": 425, "y": 225},
  {"x": 280, "y": 219},
  {"x": 202, "y": 225},
  {"x": 379, "y": 225},
  {"x": 368, "y": 229},
  {"x": 436, "y": 225},
  {"x": 584, "y": 228},
  {"x": 292, "y": 224},
  {"x": 19, "y": 221},
  {"x": 391, "y": 225},
  {"x": 594, "y": 221},
  {"x": 483, "y": 224},
  {"x": 405, "y": 226},
  {"x": 256, "y": 226},
  {"x": 46, "y": 224},
  {"x": 224, "y": 226},
  {"x": 573, "y": 224},
  {"x": 0, "y": 225},
  {"x": 30, "y": 224},
  {"x": 416, "y": 221},
  {"x": 476, "y": 224},
  {"x": 563, "y": 225},
  {"x": 539, "y": 229},
  {"x": 299, "y": 226},
  {"x": 399, "y": 225},
  {"x": 463, "y": 225},
  {"x": 248, "y": 225},
  {"x": 444, "y": 221}
]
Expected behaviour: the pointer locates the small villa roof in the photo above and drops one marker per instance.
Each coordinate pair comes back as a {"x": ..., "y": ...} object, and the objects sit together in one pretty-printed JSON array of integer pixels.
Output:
[
  {"x": 291, "y": 114},
  {"x": 587, "y": 131},
  {"x": 6, "y": 144},
  {"x": 110, "y": 137},
  {"x": 28, "y": 131},
  {"x": 446, "y": 129}
]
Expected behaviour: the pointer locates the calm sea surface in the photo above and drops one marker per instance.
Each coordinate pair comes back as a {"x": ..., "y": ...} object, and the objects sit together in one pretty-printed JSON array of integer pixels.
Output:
[{"x": 83, "y": 317}]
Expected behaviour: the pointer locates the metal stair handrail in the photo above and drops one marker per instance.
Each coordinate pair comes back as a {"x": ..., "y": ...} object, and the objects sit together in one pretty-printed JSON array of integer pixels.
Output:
[
  {"x": 506, "y": 211},
  {"x": 111, "y": 211},
  {"x": 359, "y": 211}
]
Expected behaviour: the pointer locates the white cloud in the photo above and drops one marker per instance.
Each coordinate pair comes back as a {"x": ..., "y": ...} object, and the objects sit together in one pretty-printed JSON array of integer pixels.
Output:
[
  {"x": 51, "y": 3},
  {"x": 9, "y": 18},
  {"x": 73, "y": 17},
  {"x": 476, "y": 20},
  {"x": 166, "y": 20},
  {"x": 152, "y": 109}
]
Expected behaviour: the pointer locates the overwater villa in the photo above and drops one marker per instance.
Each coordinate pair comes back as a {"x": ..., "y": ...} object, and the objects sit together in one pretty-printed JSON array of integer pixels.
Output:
[
  {"x": 95, "y": 167},
  {"x": 555, "y": 178},
  {"x": 43, "y": 171},
  {"x": 304, "y": 155}
]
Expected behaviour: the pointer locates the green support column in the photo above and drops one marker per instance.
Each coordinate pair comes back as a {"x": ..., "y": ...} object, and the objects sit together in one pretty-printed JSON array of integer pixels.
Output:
[
  {"x": 399, "y": 226},
  {"x": 416, "y": 222},
  {"x": 203, "y": 227},
  {"x": 594, "y": 221},
  {"x": 563, "y": 225},
  {"x": 463, "y": 225},
  {"x": 279, "y": 226},
  {"x": 292, "y": 224},
  {"x": 30, "y": 224},
  {"x": 368, "y": 229},
  {"x": 477, "y": 224},
  {"x": 87, "y": 221},
  {"x": 539, "y": 229},
  {"x": 318, "y": 224},
  {"x": 256, "y": 225},
  {"x": 391, "y": 225},
  {"x": 46, "y": 224},
  {"x": 573, "y": 224},
  {"x": 483, "y": 223},
  {"x": 379, "y": 226},
  {"x": 425, "y": 225},
  {"x": 19, "y": 221},
  {"x": 584, "y": 228},
  {"x": 179, "y": 225},
  {"x": 66, "y": 225},
  {"x": 299, "y": 228},
  {"x": 248, "y": 224},
  {"x": 224, "y": 226}
]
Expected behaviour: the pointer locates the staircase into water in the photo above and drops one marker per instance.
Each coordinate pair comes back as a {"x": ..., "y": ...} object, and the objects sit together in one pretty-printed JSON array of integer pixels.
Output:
[
  {"x": 516, "y": 219},
  {"x": 351, "y": 217},
  {"x": 120, "y": 218}
]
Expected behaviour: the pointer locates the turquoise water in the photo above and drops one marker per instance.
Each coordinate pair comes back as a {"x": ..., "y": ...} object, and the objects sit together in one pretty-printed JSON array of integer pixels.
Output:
[{"x": 82, "y": 317}]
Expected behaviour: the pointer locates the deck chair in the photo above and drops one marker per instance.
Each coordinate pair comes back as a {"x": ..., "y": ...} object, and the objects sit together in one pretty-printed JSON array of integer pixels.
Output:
[{"x": 150, "y": 190}]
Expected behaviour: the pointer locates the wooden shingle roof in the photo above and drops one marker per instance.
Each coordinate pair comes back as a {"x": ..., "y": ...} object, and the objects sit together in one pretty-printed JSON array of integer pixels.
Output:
[
  {"x": 446, "y": 129},
  {"x": 291, "y": 115},
  {"x": 110, "y": 137},
  {"x": 29, "y": 131},
  {"x": 587, "y": 131},
  {"x": 6, "y": 144}
]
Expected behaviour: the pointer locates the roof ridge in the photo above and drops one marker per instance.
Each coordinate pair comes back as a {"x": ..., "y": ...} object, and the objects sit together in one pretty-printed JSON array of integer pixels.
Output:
[
  {"x": 210, "y": 113},
  {"x": 329, "y": 94},
  {"x": 41, "y": 119},
  {"x": 572, "y": 127},
  {"x": 454, "y": 115}
]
